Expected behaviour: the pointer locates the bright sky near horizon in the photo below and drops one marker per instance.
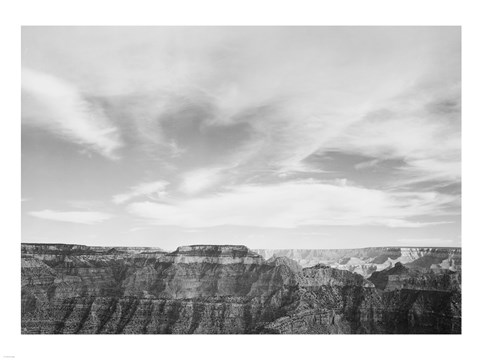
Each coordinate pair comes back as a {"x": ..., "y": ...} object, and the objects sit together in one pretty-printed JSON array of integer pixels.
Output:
[{"x": 271, "y": 137}]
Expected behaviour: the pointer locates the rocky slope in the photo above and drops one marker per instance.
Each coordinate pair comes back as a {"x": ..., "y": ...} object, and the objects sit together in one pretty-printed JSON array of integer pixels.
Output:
[
  {"x": 224, "y": 289},
  {"x": 367, "y": 260}
]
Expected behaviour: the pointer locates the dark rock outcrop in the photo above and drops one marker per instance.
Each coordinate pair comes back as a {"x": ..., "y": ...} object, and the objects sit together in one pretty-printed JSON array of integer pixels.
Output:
[{"x": 402, "y": 277}]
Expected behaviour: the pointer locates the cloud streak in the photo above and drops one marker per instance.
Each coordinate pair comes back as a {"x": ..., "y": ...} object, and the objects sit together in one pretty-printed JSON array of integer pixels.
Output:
[
  {"x": 57, "y": 105},
  {"x": 294, "y": 204},
  {"x": 197, "y": 181},
  {"x": 77, "y": 217},
  {"x": 421, "y": 127},
  {"x": 154, "y": 189}
]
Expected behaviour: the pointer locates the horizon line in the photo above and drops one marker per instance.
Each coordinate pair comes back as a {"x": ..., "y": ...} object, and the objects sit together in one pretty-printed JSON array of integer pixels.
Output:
[{"x": 157, "y": 247}]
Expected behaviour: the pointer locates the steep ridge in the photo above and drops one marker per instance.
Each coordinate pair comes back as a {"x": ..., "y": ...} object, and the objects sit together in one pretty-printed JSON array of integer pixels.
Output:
[
  {"x": 365, "y": 261},
  {"x": 414, "y": 296},
  {"x": 221, "y": 289}
]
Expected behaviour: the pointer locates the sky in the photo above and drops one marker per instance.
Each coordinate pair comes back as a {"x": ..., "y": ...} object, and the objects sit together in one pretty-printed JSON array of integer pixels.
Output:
[{"x": 270, "y": 137}]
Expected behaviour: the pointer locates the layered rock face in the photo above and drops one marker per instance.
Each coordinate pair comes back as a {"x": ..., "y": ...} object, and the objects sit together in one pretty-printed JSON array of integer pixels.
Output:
[
  {"x": 402, "y": 277},
  {"x": 223, "y": 289},
  {"x": 368, "y": 260}
]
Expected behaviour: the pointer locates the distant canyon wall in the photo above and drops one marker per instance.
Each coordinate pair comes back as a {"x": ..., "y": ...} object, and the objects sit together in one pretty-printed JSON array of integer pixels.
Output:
[{"x": 365, "y": 261}]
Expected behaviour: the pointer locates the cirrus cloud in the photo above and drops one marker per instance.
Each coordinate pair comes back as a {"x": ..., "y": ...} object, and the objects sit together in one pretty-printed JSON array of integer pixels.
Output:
[
  {"x": 60, "y": 107},
  {"x": 294, "y": 204},
  {"x": 144, "y": 189},
  {"x": 78, "y": 217}
]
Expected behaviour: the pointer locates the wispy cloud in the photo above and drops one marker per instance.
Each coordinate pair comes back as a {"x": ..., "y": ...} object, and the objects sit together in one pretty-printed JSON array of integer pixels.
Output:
[
  {"x": 196, "y": 181},
  {"x": 416, "y": 126},
  {"x": 296, "y": 99},
  {"x": 153, "y": 190},
  {"x": 289, "y": 205},
  {"x": 367, "y": 164},
  {"x": 439, "y": 171},
  {"x": 78, "y": 217},
  {"x": 233, "y": 120},
  {"x": 59, "y": 106}
]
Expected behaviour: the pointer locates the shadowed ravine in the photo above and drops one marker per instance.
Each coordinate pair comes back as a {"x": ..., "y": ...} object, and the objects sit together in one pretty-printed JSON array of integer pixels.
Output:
[{"x": 208, "y": 289}]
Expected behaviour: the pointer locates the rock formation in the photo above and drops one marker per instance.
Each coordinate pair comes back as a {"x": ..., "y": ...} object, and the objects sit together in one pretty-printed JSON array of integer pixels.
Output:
[
  {"x": 225, "y": 289},
  {"x": 365, "y": 261}
]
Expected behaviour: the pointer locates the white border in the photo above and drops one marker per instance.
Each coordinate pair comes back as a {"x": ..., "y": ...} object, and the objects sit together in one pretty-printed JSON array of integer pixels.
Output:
[{"x": 209, "y": 12}]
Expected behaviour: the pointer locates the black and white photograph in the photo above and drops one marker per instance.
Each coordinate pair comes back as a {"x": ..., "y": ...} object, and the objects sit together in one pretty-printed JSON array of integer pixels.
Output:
[
  {"x": 241, "y": 180},
  {"x": 210, "y": 180}
]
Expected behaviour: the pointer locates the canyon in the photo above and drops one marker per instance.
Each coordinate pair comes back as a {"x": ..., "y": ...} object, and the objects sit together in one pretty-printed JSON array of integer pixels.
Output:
[
  {"x": 365, "y": 261},
  {"x": 230, "y": 289}
]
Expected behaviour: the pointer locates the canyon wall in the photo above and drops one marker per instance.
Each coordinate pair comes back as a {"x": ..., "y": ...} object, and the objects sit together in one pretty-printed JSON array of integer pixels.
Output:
[
  {"x": 206, "y": 289},
  {"x": 365, "y": 261}
]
